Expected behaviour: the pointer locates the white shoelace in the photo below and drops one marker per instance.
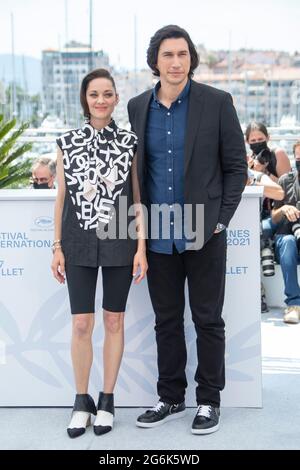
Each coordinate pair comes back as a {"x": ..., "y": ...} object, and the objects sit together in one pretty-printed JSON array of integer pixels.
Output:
[
  {"x": 204, "y": 410},
  {"x": 158, "y": 407}
]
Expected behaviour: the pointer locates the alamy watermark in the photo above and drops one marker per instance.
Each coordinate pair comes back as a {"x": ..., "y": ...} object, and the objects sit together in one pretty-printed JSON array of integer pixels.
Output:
[{"x": 159, "y": 221}]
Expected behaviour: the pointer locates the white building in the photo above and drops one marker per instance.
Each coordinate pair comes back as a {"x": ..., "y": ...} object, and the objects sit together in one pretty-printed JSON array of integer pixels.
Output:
[{"x": 62, "y": 73}]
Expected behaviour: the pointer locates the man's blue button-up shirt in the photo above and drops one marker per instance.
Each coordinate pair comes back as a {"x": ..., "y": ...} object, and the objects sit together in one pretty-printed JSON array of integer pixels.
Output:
[{"x": 165, "y": 138}]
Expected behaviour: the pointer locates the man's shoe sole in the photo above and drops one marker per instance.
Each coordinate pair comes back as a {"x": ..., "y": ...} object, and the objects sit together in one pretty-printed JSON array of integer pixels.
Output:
[
  {"x": 178, "y": 415},
  {"x": 291, "y": 321},
  {"x": 206, "y": 431}
]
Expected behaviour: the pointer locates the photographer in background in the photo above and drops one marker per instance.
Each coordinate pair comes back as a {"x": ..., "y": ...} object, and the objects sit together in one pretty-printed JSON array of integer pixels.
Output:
[
  {"x": 43, "y": 173},
  {"x": 273, "y": 163},
  {"x": 286, "y": 215},
  {"x": 273, "y": 191}
]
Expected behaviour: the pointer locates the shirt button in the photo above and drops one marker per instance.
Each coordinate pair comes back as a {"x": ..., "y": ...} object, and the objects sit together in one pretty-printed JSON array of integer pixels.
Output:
[
  {"x": 168, "y": 114},
  {"x": 169, "y": 151},
  {"x": 170, "y": 169},
  {"x": 179, "y": 101},
  {"x": 169, "y": 132},
  {"x": 170, "y": 188},
  {"x": 171, "y": 207},
  {"x": 172, "y": 223}
]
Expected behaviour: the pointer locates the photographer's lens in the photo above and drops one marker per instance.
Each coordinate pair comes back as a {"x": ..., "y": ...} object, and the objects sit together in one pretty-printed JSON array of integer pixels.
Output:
[
  {"x": 296, "y": 232},
  {"x": 267, "y": 262}
]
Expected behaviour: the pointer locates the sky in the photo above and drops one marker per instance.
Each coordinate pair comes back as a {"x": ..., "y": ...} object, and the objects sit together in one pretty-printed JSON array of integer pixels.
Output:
[{"x": 218, "y": 24}]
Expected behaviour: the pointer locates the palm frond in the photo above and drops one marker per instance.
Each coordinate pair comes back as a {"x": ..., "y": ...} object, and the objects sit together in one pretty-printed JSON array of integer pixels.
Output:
[{"x": 14, "y": 167}]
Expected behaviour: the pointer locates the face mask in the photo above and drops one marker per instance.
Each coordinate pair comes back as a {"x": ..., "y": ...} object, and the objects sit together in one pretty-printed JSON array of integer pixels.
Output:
[
  {"x": 258, "y": 147},
  {"x": 40, "y": 186},
  {"x": 297, "y": 163}
]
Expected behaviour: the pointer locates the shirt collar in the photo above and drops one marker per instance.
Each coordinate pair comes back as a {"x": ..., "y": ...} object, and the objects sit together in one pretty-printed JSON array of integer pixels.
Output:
[
  {"x": 109, "y": 132},
  {"x": 181, "y": 97}
]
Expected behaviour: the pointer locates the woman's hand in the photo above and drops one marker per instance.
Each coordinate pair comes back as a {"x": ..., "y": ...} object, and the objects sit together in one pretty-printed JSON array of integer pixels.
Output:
[
  {"x": 58, "y": 265},
  {"x": 250, "y": 161},
  {"x": 139, "y": 262},
  {"x": 253, "y": 164},
  {"x": 262, "y": 168}
]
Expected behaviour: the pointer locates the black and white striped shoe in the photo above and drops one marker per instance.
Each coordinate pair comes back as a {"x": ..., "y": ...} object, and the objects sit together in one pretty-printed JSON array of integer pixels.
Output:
[
  {"x": 81, "y": 415},
  {"x": 105, "y": 414}
]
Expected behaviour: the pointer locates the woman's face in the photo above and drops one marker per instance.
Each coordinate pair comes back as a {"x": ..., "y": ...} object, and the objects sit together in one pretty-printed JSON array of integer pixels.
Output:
[
  {"x": 101, "y": 99},
  {"x": 257, "y": 136},
  {"x": 254, "y": 138}
]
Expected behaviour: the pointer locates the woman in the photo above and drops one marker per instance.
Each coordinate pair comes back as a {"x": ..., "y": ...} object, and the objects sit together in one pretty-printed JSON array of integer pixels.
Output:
[
  {"x": 274, "y": 163},
  {"x": 93, "y": 171}
]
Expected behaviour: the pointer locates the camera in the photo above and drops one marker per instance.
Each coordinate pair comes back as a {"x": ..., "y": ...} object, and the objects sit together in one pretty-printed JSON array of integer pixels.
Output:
[
  {"x": 267, "y": 258},
  {"x": 295, "y": 227},
  {"x": 296, "y": 231},
  {"x": 264, "y": 156}
]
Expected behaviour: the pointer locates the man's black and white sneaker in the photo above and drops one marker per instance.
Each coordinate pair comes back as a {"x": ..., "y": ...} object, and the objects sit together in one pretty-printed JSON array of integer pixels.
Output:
[
  {"x": 206, "y": 420},
  {"x": 160, "y": 414}
]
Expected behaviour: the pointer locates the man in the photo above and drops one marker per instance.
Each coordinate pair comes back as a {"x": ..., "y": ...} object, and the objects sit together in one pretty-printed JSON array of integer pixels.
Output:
[
  {"x": 43, "y": 173},
  {"x": 296, "y": 150},
  {"x": 287, "y": 239},
  {"x": 191, "y": 152}
]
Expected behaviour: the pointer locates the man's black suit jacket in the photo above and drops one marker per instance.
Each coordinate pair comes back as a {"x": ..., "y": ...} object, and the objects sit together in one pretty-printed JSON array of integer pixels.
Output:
[{"x": 215, "y": 168}]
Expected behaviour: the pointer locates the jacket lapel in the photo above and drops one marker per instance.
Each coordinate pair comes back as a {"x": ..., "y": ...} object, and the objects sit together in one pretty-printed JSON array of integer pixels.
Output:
[
  {"x": 141, "y": 121},
  {"x": 195, "y": 109}
]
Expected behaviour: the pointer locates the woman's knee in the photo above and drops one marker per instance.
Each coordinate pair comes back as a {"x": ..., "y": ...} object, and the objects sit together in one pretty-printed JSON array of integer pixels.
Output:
[
  {"x": 83, "y": 325},
  {"x": 113, "y": 322}
]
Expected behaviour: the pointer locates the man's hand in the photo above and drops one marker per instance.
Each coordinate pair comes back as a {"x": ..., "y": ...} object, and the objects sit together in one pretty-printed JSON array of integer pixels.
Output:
[{"x": 290, "y": 212}]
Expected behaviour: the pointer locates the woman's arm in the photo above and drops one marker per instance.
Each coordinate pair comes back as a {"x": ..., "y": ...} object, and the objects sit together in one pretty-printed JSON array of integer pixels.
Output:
[
  {"x": 58, "y": 262},
  {"x": 283, "y": 164},
  {"x": 271, "y": 189},
  {"x": 140, "y": 257}
]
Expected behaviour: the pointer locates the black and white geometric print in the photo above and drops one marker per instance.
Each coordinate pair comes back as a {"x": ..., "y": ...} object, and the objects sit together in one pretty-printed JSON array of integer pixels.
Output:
[{"x": 96, "y": 165}]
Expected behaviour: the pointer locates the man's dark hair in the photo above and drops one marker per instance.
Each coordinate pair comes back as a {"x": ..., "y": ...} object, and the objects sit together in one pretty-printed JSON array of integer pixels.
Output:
[
  {"x": 97, "y": 73},
  {"x": 297, "y": 144},
  {"x": 169, "y": 32}
]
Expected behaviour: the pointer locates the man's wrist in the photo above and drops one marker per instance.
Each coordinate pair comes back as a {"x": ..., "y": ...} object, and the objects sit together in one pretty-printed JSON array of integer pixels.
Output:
[{"x": 220, "y": 227}]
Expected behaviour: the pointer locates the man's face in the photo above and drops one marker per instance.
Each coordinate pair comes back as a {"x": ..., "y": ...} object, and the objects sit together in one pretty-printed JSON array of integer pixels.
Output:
[
  {"x": 174, "y": 61},
  {"x": 42, "y": 176},
  {"x": 297, "y": 153}
]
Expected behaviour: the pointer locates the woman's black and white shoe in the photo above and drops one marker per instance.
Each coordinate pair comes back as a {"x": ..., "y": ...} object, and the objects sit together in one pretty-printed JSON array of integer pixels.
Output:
[
  {"x": 83, "y": 407},
  {"x": 105, "y": 414}
]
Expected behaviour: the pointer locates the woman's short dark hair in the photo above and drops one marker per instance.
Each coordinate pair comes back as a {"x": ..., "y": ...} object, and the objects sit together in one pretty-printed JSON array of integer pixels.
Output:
[
  {"x": 97, "y": 73},
  {"x": 256, "y": 126},
  {"x": 169, "y": 32}
]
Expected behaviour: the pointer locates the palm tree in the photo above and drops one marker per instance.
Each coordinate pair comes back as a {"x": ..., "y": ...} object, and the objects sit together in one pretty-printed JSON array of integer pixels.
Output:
[{"x": 14, "y": 171}]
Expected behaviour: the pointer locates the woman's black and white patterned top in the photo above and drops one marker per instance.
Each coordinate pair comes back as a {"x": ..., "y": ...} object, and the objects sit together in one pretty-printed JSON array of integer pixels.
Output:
[{"x": 97, "y": 167}]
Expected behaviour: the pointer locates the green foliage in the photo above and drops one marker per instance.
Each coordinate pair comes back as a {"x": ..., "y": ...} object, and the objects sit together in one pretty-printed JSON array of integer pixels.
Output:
[{"x": 14, "y": 168}]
